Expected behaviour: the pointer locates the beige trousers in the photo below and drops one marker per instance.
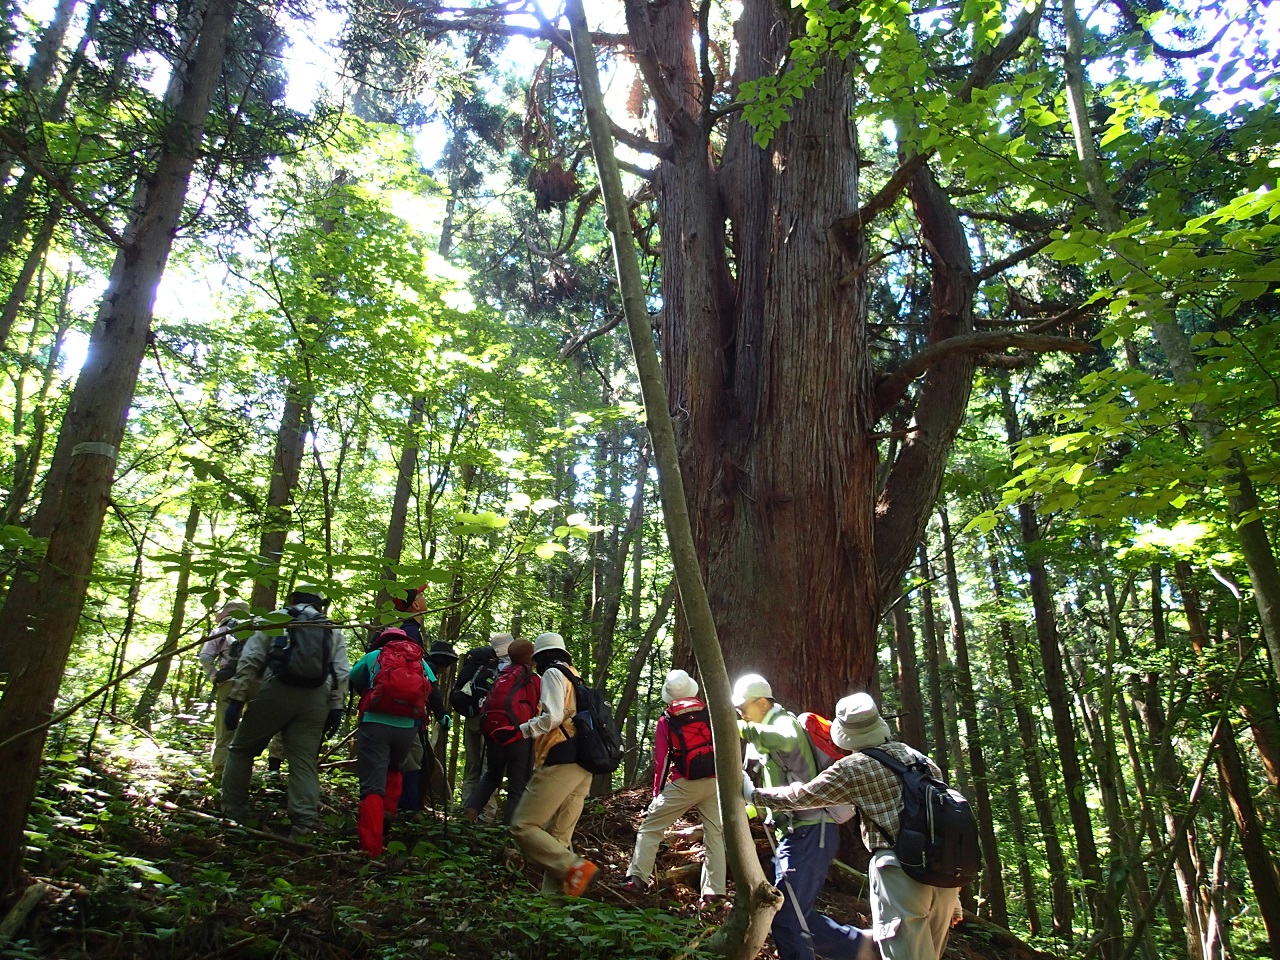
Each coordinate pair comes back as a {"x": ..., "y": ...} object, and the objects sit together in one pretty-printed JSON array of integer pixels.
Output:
[
  {"x": 543, "y": 822},
  {"x": 668, "y": 807},
  {"x": 909, "y": 920}
]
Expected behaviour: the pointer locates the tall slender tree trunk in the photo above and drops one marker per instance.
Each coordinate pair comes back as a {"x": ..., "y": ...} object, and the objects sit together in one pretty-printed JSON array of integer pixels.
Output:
[
  {"x": 941, "y": 751},
  {"x": 35, "y": 257},
  {"x": 1017, "y": 825},
  {"x": 1102, "y": 906},
  {"x": 177, "y": 619},
  {"x": 1037, "y": 782},
  {"x": 43, "y": 606},
  {"x": 756, "y": 902},
  {"x": 911, "y": 720},
  {"x": 994, "y": 905},
  {"x": 29, "y": 439},
  {"x": 1169, "y": 779},
  {"x": 1237, "y": 784},
  {"x": 612, "y": 600},
  {"x": 286, "y": 468},
  {"x": 406, "y": 473}
]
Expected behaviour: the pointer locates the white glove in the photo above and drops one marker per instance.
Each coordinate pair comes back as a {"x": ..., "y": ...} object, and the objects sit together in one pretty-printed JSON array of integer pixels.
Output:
[{"x": 748, "y": 789}]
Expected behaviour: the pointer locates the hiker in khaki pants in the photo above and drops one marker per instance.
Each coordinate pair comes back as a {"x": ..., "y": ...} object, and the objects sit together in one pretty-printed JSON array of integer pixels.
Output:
[{"x": 552, "y": 803}]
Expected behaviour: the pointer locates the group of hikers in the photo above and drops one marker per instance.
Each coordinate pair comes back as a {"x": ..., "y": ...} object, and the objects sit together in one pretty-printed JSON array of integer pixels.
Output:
[{"x": 529, "y": 718}]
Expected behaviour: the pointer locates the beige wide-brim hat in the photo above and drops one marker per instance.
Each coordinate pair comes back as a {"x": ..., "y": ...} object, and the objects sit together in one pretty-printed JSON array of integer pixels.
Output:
[
  {"x": 858, "y": 724},
  {"x": 548, "y": 641}
]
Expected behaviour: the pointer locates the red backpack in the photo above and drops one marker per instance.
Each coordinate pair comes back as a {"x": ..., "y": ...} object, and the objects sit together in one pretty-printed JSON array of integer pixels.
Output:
[
  {"x": 692, "y": 752},
  {"x": 400, "y": 687},
  {"x": 512, "y": 700},
  {"x": 818, "y": 729}
]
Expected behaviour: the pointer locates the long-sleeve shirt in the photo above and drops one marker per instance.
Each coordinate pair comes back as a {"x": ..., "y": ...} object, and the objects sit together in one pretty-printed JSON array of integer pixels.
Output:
[
  {"x": 254, "y": 665},
  {"x": 859, "y": 780},
  {"x": 661, "y": 748},
  {"x": 788, "y": 758}
]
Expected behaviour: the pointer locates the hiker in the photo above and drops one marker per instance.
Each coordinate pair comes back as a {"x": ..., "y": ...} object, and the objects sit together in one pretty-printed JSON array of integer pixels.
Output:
[
  {"x": 394, "y": 682},
  {"x": 303, "y": 670},
  {"x": 219, "y": 656},
  {"x": 479, "y": 669},
  {"x": 513, "y": 700},
  {"x": 684, "y": 776},
  {"x": 552, "y": 803},
  {"x": 910, "y": 919},
  {"x": 415, "y": 605},
  {"x": 427, "y": 746},
  {"x": 807, "y": 840}
]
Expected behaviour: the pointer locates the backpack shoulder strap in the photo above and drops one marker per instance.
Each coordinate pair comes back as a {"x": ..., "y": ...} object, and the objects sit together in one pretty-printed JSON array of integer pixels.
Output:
[{"x": 886, "y": 758}]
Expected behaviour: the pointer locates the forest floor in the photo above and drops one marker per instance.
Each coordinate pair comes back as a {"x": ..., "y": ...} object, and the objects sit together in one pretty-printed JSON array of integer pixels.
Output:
[{"x": 138, "y": 865}]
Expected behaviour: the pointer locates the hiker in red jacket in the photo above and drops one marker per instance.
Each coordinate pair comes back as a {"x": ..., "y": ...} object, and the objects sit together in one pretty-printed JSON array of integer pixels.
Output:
[{"x": 684, "y": 776}]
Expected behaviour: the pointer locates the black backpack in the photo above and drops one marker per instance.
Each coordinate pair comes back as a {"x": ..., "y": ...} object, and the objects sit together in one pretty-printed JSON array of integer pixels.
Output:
[
  {"x": 303, "y": 655},
  {"x": 475, "y": 678},
  {"x": 598, "y": 745},
  {"x": 937, "y": 842}
]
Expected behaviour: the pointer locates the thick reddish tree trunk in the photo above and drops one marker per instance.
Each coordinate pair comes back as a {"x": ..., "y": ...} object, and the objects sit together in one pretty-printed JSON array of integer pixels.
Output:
[
  {"x": 43, "y": 607},
  {"x": 769, "y": 373}
]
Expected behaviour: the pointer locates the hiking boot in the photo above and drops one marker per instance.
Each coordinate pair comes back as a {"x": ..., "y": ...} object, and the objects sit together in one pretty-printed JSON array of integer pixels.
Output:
[
  {"x": 634, "y": 885},
  {"x": 578, "y": 878}
]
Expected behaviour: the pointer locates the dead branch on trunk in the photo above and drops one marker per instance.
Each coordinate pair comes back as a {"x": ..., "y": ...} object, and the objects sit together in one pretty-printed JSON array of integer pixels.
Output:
[
  {"x": 984, "y": 69},
  {"x": 63, "y": 188}
]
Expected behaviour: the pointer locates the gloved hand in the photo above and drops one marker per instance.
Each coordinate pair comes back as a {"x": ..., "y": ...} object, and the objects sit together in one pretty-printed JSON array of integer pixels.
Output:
[
  {"x": 231, "y": 719},
  {"x": 748, "y": 788},
  {"x": 446, "y": 722},
  {"x": 333, "y": 722},
  {"x": 505, "y": 736}
]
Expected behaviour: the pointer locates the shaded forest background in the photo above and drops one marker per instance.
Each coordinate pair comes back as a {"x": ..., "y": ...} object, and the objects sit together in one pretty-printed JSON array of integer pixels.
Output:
[{"x": 358, "y": 324}]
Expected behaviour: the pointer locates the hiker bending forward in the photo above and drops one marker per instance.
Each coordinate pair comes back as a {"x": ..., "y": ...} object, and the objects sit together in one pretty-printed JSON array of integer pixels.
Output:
[
  {"x": 552, "y": 803},
  {"x": 684, "y": 776},
  {"x": 808, "y": 840},
  {"x": 911, "y": 919}
]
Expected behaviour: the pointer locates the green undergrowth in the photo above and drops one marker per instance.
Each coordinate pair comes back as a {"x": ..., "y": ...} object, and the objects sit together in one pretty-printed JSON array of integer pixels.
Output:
[{"x": 136, "y": 871}]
